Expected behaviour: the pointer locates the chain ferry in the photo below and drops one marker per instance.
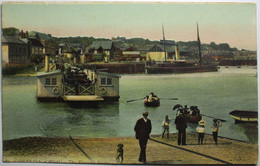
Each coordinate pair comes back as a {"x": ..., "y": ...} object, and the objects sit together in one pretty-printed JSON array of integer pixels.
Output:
[{"x": 77, "y": 85}]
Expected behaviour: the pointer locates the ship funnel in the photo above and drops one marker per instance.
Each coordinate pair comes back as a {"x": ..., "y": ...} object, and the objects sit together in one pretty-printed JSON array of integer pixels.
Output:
[
  {"x": 177, "y": 52},
  {"x": 46, "y": 63}
]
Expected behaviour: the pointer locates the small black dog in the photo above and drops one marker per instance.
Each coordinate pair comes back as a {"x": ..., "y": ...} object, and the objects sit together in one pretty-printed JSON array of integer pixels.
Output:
[{"x": 120, "y": 153}]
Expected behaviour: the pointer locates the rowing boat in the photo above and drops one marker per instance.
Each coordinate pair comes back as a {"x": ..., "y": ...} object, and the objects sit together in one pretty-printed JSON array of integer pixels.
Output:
[
  {"x": 244, "y": 116},
  {"x": 153, "y": 103}
]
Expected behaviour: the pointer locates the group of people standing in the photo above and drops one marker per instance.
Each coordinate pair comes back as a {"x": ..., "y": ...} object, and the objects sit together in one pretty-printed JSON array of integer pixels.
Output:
[
  {"x": 215, "y": 128},
  {"x": 181, "y": 126},
  {"x": 143, "y": 128}
]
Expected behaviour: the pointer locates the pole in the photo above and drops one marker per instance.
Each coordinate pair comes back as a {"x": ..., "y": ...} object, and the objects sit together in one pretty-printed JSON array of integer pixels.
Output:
[
  {"x": 164, "y": 44},
  {"x": 199, "y": 44}
]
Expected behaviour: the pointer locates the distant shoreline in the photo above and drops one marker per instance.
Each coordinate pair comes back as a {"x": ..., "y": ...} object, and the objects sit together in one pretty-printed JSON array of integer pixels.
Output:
[{"x": 34, "y": 74}]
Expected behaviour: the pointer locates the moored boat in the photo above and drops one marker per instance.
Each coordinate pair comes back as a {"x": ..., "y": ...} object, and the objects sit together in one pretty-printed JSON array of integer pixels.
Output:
[
  {"x": 192, "y": 114},
  {"x": 193, "y": 118},
  {"x": 180, "y": 66},
  {"x": 244, "y": 116}
]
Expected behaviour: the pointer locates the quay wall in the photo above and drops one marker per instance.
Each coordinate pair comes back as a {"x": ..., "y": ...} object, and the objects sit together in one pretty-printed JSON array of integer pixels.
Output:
[
  {"x": 238, "y": 62},
  {"x": 124, "y": 68}
]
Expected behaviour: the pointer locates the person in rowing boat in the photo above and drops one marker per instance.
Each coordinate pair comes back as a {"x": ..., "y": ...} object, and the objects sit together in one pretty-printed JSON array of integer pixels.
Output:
[
  {"x": 215, "y": 128},
  {"x": 178, "y": 107},
  {"x": 165, "y": 126},
  {"x": 195, "y": 111},
  {"x": 152, "y": 97},
  {"x": 186, "y": 110}
]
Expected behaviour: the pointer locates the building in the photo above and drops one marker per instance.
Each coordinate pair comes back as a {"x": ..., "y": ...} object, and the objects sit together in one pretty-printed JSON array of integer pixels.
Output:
[
  {"x": 37, "y": 48},
  {"x": 50, "y": 47},
  {"x": 103, "y": 49},
  {"x": 157, "y": 52},
  {"x": 131, "y": 56},
  {"x": 156, "y": 56},
  {"x": 14, "y": 50},
  {"x": 169, "y": 49}
]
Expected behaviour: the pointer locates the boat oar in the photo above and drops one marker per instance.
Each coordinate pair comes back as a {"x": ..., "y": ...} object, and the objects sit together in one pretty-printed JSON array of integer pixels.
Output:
[
  {"x": 222, "y": 120},
  {"x": 134, "y": 100},
  {"x": 169, "y": 98}
]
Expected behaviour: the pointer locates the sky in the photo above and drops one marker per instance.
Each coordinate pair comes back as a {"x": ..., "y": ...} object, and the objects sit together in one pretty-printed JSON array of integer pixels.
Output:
[{"x": 232, "y": 23}]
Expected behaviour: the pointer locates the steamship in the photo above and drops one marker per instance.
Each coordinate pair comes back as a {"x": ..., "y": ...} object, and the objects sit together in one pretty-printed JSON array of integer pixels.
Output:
[{"x": 180, "y": 66}]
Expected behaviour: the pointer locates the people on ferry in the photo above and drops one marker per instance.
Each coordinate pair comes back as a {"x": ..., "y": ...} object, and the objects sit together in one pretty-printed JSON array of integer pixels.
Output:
[
  {"x": 201, "y": 131},
  {"x": 215, "y": 128}
]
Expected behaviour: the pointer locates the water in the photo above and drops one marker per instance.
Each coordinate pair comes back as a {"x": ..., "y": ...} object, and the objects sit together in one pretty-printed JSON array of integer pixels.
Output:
[{"x": 215, "y": 93}]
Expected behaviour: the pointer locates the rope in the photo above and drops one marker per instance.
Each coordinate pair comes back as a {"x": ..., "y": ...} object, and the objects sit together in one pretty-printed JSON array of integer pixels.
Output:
[
  {"x": 222, "y": 161},
  {"x": 80, "y": 148}
]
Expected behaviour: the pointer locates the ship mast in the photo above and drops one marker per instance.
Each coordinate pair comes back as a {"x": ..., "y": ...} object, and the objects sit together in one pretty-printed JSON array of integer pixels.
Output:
[
  {"x": 199, "y": 44},
  {"x": 164, "y": 44}
]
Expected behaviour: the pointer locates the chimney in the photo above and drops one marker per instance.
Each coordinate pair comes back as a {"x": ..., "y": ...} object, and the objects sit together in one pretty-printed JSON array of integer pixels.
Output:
[{"x": 46, "y": 63}]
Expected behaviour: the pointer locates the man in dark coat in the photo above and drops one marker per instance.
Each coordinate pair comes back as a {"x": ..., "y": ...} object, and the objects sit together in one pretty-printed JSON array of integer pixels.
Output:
[
  {"x": 181, "y": 126},
  {"x": 143, "y": 128}
]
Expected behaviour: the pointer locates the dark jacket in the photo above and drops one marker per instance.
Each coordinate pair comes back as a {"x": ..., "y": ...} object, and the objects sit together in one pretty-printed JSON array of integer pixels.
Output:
[
  {"x": 143, "y": 129},
  {"x": 180, "y": 122}
]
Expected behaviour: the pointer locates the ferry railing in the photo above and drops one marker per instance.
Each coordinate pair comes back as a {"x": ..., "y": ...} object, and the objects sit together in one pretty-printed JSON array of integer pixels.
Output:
[
  {"x": 79, "y": 89},
  {"x": 86, "y": 89},
  {"x": 69, "y": 89}
]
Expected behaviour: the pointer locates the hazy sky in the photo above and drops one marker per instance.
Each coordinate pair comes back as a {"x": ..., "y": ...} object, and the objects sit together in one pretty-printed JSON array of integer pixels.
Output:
[{"x": 233, "y": 23}]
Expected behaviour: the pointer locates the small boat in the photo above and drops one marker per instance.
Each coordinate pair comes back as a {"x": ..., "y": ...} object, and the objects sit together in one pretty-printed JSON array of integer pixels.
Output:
[
  {"x": 154, "y": 103},
  {"x": 244, "y": 116},
  {"x": 192, "y": 114},
  {"x": 193, "y": 118}
]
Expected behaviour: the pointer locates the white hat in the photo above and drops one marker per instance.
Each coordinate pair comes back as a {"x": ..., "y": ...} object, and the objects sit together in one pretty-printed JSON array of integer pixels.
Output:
[{"x": 202, "y": 122}]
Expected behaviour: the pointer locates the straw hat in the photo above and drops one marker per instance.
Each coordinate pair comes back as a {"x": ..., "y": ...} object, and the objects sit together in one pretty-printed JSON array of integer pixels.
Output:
[{"x": 202, "y": 122}]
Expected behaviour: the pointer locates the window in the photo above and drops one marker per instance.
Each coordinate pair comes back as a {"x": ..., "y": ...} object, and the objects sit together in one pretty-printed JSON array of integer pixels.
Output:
[
  {"x": 48, "y": 81},
  {"x": 103, "y": 81},
  {"x": 106, "y": 81},
  {"x": 109, "y": 81},
  {"x": 54, "y": 81}
]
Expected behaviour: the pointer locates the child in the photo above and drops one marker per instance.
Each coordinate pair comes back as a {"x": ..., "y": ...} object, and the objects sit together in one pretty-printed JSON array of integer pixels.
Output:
[
  {"x": 165, "y": 126},
  {"x": 215, "y": 128},
  {"x": 201, "y": 131}
]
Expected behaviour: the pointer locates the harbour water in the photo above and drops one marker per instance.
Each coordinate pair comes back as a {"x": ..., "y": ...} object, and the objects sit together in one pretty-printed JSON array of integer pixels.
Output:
[{"x": 215, "y": 94}]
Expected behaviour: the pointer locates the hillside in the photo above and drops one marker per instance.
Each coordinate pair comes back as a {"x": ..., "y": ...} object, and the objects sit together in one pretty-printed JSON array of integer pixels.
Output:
[{"x": 190, "y": 46}]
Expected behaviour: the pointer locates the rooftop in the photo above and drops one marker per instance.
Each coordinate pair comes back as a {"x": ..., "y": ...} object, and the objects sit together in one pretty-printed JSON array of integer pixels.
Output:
[{"x": 11, "y": 39}]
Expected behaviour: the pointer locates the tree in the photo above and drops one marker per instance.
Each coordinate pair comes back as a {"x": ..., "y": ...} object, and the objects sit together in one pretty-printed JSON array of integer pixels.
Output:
[
  {"x": 213, "y": 45},
  {"x": 11, "y": 31},
  {"x": 224, "y": 46}
]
